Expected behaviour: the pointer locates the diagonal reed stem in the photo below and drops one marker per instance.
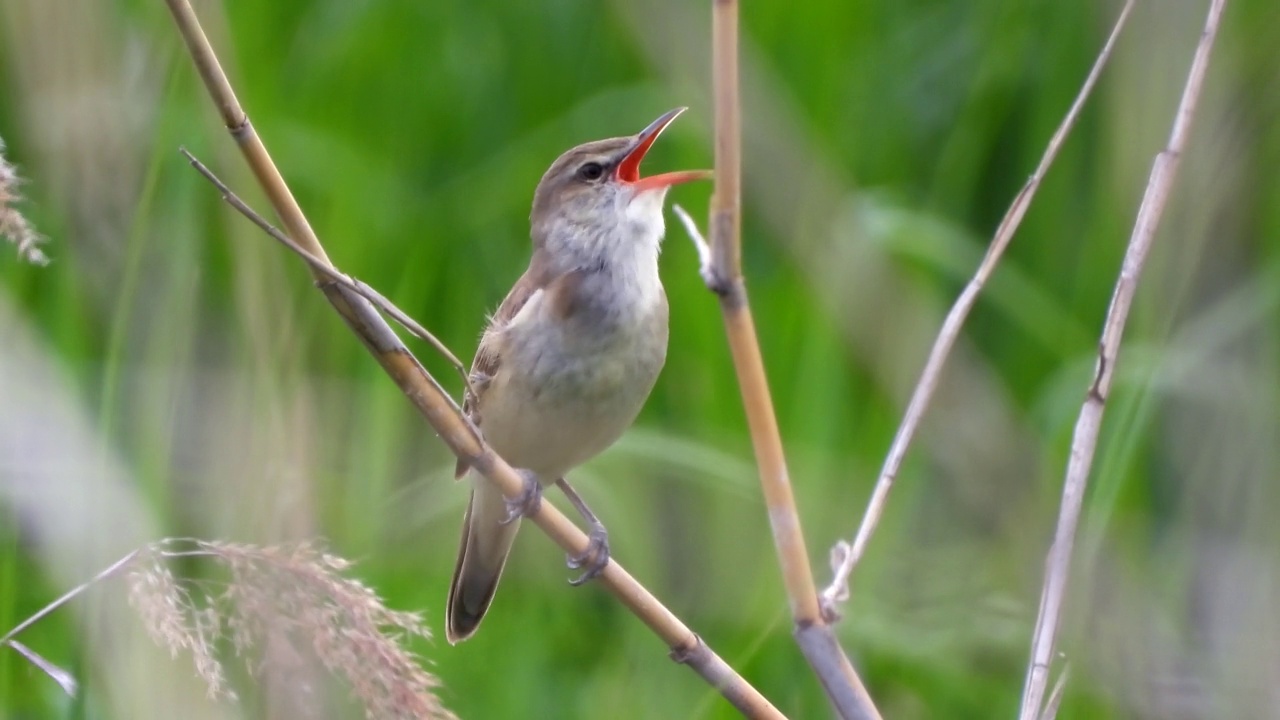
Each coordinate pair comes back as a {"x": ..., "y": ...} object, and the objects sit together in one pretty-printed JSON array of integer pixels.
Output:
[
  {"x": 849, "y": 555},
  {"x": 431, "y": 400}
]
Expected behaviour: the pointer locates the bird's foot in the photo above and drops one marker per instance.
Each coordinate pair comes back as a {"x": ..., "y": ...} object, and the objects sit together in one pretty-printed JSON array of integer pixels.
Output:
[
  {"x": 594, "y": 559},
  {"x": 529, "y": 502}
]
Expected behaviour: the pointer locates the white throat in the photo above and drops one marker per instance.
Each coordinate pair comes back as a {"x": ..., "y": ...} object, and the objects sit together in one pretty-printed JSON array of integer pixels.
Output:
[{"x": 626, "y": 249}]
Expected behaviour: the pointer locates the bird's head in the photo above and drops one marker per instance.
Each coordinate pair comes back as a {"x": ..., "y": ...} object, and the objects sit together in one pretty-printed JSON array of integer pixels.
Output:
[{"x": 595, "y": 192}]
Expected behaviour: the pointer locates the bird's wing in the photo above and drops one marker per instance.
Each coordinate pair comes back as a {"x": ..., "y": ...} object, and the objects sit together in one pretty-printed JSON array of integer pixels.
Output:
[{"x": 488, "y": 355}]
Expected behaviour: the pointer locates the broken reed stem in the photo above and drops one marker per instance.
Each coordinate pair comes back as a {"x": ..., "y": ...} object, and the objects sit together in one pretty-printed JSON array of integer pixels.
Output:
[
  {"x": 724, "y": 278},
  {"x": 1084, "y": 440},
  {"x": 436, "y": 406},
  {"x": 68, "y": 596},
  {"x": 65, "y": 680},
  {"x": 849, "y": 555},
  {"x": 60, "y": 676}
]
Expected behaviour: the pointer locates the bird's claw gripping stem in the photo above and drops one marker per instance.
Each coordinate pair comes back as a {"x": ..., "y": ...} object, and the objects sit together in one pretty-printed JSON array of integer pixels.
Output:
[
  {"x": 529, "y": 502},
  {"x": 592, "y": 560}
]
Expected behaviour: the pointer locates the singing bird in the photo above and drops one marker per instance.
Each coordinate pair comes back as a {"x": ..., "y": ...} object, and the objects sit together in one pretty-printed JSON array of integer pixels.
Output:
[{"x": 569, "y": 358}]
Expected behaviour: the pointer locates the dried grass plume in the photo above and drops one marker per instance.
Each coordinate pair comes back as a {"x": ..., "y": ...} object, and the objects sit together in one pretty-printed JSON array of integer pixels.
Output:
[
  {"x": 13, "y": 225},
  {"x": 286, "y": 596},
  {"x": 282, "y": 601}
]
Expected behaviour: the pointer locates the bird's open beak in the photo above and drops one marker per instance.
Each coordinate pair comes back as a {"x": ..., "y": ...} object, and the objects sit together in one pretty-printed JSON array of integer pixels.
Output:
[{"x": 629, "y": 168}]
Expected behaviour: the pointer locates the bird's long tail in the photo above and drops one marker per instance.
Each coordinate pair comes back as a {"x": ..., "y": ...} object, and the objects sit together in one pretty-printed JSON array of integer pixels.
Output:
[{"x": 482, "y": 554}]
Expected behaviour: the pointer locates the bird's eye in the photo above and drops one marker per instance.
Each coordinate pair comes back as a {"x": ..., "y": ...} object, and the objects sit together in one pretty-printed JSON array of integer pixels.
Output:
[{"x": 591, "y": 171}]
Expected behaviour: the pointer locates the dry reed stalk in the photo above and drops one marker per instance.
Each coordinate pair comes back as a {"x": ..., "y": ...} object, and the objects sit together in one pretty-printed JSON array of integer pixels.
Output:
[
  {"x": 1084, "y": 439},
  {"x": 721, "y": 270}
]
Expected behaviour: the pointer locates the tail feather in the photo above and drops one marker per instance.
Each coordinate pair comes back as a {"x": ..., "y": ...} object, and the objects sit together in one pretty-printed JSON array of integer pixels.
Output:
[{"x": 482, "y": 554}]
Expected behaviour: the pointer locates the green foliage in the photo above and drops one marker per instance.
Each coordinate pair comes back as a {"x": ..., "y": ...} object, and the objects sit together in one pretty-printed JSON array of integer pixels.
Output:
[{"x": 884, "y": 141}]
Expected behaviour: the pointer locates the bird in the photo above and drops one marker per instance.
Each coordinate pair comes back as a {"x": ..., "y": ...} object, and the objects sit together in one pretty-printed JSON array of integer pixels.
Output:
[{"x": 567, "y": 361}]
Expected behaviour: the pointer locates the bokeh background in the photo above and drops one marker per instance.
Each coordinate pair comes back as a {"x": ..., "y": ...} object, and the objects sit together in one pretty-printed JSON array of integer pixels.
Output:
[{"x": 174, "y": 373}]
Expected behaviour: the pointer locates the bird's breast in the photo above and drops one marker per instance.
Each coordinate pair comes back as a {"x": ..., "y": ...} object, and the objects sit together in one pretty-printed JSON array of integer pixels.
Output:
[
  {"x": 606, "y": 351},
  {"x": 569, "y": 387}
]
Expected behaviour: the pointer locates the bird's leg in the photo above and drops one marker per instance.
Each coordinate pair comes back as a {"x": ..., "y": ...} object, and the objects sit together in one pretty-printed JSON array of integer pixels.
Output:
[
  {"x": 530, "y": 499},
  {"x": 596, "y": 556}
]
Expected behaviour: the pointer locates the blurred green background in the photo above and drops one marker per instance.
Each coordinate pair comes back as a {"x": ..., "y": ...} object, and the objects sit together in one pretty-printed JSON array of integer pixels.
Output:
[{"x": 174, "y": 373}]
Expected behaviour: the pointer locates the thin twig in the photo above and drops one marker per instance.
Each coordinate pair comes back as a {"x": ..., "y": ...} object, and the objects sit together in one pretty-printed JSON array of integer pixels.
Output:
[
  {"x": 59, "y": 675},
  {"x": 68, "y": 596},
  {"x": 721, "y": 270},
  {"x": 436, "y": 406},
  {"x": 1085, "y": 437},
  {"x": 846, "y": 555},
  {"x": 331, "y": 273}
]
